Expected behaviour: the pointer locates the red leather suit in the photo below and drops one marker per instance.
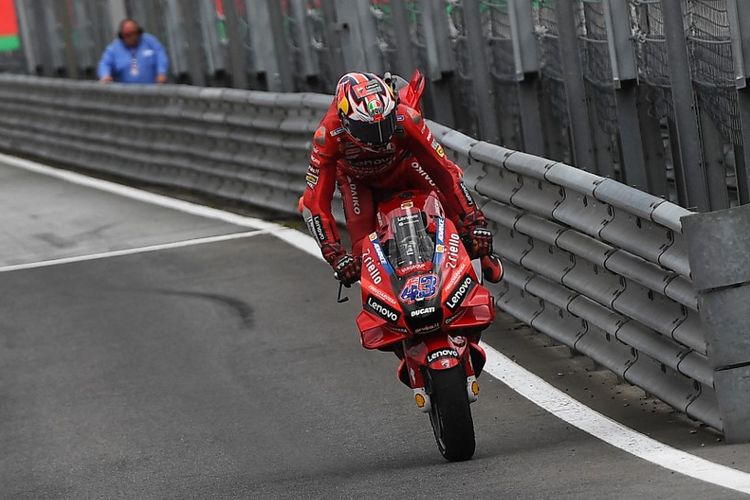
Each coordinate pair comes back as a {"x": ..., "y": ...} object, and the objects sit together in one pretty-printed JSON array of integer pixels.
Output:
[{"x": 413, "y": 160}]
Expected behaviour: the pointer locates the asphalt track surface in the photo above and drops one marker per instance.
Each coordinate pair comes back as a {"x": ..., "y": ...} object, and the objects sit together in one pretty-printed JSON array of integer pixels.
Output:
[{"x": 227, "y": 370}]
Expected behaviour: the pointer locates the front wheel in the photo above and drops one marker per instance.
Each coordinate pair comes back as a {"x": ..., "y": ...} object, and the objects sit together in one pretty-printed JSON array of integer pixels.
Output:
[{"x": 450, "y": 414}]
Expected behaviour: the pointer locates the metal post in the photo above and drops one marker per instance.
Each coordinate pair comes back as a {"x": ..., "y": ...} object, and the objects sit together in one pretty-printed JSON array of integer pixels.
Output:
[
  {"x": 176, "y": 42},
  {"x": 86, "y": 47},
  {"x": 261, "y": 43},
  {"x": 440, "y": 64},
  {"x": 530, "y": 109},
  {"x": 117, "y": 13},
  {"x": 739, "y": 29},
  {"x": 631, "y": 142},
  {"x": 624, "y": 76},
  {"x": 280, "y": 46},
  {"x": 677, "y": 168},
  {"x": 368, "y": 33},
  {"x": 43, "y": 36},
  {"x": 237, "y": 57},
  {"x": 63, "y": 18},
  {"x": 212, "y": 47},
  {"x": 653, "y": 147},
  {"x": 358, "y": 36},
  {"x": 27, "y": 37},
  {"x": 713, "y": 154},
  {"x": 150, "y": 19},
  {"x": 195, "y": 45},
  {"x": 683, "y": 101},
  {"x": 575, "y": 89},
  {"x": 404, "y": 56},
  {"x": 718, "y": 246},
  {"x": 476, "y": 45},
  {"x": 308, "y": 58},
  {"x": 603, "y": 153},
  {"x": 333, "y": 38},
  {"x": 552, "y": 135},
  {"x": 526, "y": 56}
]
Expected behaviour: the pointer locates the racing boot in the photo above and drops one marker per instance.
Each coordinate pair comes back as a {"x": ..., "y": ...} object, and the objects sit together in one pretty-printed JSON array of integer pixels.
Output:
[{"x": 492, "y": 269}]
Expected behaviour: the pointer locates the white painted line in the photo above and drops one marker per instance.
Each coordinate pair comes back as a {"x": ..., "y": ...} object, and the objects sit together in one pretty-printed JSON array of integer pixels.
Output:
[
  {"x": 291, "y": 236},
  {"x": 581, "y": 416},
  {"x": 130, "y": 251},
  {"x": 499, "y": 366}
]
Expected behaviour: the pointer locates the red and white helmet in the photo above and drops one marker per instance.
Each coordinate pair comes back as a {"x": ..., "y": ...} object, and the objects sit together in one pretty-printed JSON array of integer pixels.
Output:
[{"x": 367, "y": 108}]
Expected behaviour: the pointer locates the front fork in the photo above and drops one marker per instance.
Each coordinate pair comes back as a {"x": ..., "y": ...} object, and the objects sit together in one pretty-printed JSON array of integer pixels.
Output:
[{"x": 445, "y": 352}]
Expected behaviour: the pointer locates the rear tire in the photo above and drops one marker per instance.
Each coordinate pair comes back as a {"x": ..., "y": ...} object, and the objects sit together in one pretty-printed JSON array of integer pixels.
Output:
[{"x": 450, "y": 414}]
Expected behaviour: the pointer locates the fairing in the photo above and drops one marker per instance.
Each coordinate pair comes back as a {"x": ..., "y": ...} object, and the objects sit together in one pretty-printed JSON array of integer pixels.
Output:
[{"x": 417, "y": 279}]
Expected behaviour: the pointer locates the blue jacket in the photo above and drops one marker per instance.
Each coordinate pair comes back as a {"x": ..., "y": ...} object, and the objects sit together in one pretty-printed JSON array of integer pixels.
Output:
[{"x": 150, "y": 61}]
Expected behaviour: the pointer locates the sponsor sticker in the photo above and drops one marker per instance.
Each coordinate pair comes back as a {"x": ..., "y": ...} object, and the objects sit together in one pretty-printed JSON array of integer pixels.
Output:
[
  {"x": 438, "y": 148},
  {"x": 318, "y": 231},
  {"x": 382, "y": 309},
  {"x": 355, "y": 197},
  {"x": 458, "y": 341},
  {"x": 374, "y": 107},
  {"x": 460, "y": 293},
  {"x": 422, "y": 312},
  {"x": 372, "y": 269},
  {"x": 428, "y": 328},
  {"x": 453, "y": 318},
  {"x": 407, "y": 220},
  {"x": 418, "y": 288},
  {"x": 377, "y": 292},
  {"x": 416, "y": 166},
  {"x": 467, "y": 196},
  {"x": 379, "y": 252},
  {"x": 454, "y": 245},
  {"x": 439, "y": 244},
  {"x": 312, "y": 177},
  {"x": 442, "y": 353},
  {"x": 367, "y": 88}
]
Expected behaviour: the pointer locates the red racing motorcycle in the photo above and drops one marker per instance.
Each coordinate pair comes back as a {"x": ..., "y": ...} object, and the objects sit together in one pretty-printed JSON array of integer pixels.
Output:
[{"x": 423, "y": 299}]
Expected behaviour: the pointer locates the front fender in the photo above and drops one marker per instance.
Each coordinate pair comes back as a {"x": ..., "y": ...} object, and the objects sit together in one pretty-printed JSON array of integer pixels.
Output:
[{"x": 436, "y": 351}]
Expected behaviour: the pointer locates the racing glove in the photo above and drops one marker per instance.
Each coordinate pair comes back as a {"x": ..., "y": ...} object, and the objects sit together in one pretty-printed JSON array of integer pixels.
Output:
[
  {"x": 479, "y": 242},
  {"x": 476, "y": 237},
  {"x": 347, "y": 269}
]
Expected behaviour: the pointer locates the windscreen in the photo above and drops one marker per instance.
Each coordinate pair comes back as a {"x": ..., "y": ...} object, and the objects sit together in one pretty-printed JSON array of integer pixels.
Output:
[{"x": 411, "y": 245}]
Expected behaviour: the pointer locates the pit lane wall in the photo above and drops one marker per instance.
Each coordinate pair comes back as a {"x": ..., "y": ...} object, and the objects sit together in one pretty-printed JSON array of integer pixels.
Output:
[{"x": 647, "y": 289}]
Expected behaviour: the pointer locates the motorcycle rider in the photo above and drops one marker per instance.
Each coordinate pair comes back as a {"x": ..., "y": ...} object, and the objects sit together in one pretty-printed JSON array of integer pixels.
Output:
[{"x": 369, "y": 143}]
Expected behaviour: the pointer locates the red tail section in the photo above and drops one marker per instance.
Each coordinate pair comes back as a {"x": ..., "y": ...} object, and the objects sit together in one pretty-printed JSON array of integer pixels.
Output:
[{"x": 411, "y": 95}]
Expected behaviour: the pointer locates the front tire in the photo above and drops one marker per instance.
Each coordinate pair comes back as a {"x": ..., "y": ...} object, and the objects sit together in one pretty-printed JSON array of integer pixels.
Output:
[{"x": 450, "y": 414}]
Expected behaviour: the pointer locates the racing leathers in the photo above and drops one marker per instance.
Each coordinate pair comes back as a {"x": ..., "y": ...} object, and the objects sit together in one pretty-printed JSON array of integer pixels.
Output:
[{"x": 413, "y": 159}]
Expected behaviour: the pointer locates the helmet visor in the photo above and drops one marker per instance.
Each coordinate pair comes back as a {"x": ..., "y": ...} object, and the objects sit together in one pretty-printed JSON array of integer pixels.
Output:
[{"x": 373, "y": 134}]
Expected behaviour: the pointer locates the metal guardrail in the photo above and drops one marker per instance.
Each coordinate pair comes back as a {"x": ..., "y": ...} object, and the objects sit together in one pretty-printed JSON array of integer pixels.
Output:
[{"x": 597, "y": 265}]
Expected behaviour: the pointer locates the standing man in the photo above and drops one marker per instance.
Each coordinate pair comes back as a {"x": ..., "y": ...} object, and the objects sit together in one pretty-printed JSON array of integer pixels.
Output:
[{"x": 135, "y": 57}]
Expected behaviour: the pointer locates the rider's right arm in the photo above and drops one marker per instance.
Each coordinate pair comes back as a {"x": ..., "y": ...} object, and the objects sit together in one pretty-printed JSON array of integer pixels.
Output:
[{"x": 316, "y": 202}]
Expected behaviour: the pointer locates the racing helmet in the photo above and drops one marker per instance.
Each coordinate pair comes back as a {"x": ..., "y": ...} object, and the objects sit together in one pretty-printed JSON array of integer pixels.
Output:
[{"x": 367, "y": 109}]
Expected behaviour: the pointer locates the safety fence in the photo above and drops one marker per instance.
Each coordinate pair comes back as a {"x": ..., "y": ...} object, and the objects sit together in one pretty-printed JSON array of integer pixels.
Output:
[
  {"x": 599, "y": 266},
  {"x": 649, "y": 92}
]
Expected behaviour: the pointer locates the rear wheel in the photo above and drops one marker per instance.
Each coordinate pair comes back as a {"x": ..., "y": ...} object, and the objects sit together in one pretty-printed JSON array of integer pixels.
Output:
[{"x": 450, "y": 414}]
